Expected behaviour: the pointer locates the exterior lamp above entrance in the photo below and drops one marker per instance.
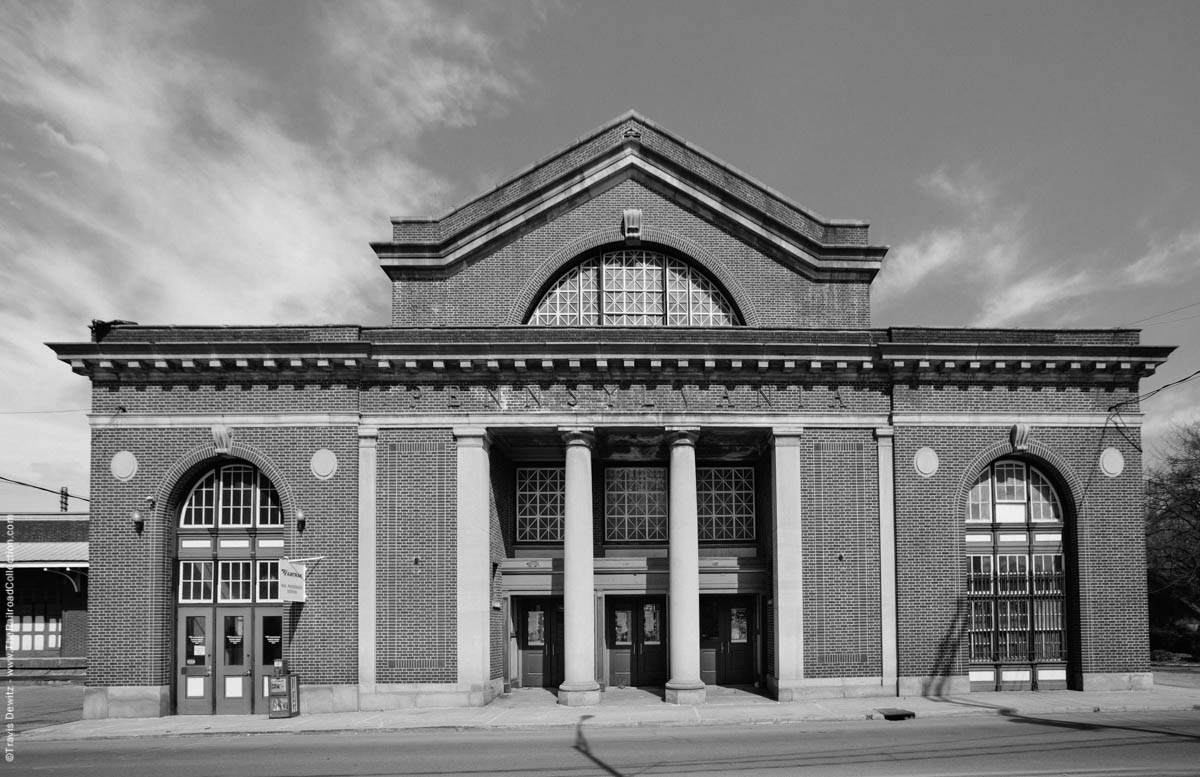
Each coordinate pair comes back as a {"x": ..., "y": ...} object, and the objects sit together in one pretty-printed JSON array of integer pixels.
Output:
[{"x": 301, "y": 523}]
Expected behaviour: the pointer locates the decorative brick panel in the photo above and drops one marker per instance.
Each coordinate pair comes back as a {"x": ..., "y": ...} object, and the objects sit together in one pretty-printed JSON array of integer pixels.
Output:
[
  {"x": 840, "y": 517},
  {"x": 416, "y": 557}
]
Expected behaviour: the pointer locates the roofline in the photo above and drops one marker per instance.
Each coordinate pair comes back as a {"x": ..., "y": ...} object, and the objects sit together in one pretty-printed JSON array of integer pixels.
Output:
[{"x": 611, "y": 124}]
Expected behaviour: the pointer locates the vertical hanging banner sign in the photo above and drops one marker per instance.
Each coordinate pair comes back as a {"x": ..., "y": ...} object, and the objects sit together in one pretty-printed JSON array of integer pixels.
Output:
[{"x": 291, "y": 580}]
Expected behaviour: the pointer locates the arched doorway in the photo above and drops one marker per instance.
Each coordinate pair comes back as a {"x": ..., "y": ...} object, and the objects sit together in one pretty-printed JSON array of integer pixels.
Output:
[
  {"x": 229, "y": 624},
  {"x": 1016, "y": 580}
]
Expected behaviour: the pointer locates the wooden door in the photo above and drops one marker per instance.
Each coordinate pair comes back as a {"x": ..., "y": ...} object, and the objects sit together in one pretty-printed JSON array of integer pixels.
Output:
[{"x": 540, "y": 642}]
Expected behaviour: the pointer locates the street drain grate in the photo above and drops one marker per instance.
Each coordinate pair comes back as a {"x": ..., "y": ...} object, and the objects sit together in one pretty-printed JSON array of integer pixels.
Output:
[{"x": 895, "y": 713}]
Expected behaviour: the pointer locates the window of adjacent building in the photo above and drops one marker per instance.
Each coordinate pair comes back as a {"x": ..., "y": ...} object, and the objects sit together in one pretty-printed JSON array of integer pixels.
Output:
[
  {"x": 1015, "y": 566},
  {"x": 634, "y": 288}
]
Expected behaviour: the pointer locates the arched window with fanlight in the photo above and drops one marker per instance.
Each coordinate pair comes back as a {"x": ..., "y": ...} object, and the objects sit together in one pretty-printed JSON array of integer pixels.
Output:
[
  {"x": 230, "y": 541},
  {"x": 634, "y": 288},
  {"x": 1016, "y": 581}
]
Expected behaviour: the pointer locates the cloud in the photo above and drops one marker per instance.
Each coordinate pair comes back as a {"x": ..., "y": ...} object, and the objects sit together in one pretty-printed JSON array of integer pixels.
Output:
[
  {"x": 85, "y": 150},
  {"x": 149, "y": 173},
  {"x": 1166, "y": 261},
  {"x": 985, "y": 241}
]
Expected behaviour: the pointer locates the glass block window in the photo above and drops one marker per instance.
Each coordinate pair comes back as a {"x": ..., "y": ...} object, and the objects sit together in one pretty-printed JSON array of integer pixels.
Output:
[
  {"x": 634, "y": 288},
  {"x": 195, "y": 581},
  {"x": 240, "y": 494},
  {"x": 635, "y": 504},
  {"x": 725, "y": 503},
  {"x": 541, "y": 504},
  {"x": 268, "y": 581},
  {"x": 235, "y": 583}
]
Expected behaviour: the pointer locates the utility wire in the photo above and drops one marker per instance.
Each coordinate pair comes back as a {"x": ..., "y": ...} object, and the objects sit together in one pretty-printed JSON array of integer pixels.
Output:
[
  {"x": 41, "y": 412},
  {"x": 43, "y": 488},
  {"x": 1171, "y": 321},
  {"x": 1147, "y": 395},
  {"x": 1160, "y": 315}
]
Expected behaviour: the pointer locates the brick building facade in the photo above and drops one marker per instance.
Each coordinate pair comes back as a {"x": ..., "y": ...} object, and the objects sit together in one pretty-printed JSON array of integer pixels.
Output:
[{"x": 629, "y": 425}]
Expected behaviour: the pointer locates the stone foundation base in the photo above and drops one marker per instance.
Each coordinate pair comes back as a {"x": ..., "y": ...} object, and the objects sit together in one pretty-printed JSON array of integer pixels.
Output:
[
  {"x": 401, "y": 696},
  {"x": 938, "y": 685},
  {"x": 829, "y": 688},
  {"x": 685, "y": 693},
  {"x": 1118, "y": 681},
  {"x": 126, "y": 701},
  {"x": 579, "y": 694}
]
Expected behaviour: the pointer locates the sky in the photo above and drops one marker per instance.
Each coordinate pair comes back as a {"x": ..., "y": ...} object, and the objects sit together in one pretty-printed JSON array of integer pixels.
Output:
[{"x": 1030, "y": 164}]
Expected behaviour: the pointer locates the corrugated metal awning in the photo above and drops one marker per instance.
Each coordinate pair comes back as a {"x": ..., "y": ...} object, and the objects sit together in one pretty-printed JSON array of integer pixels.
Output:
[{"x": 50, "y": 554}]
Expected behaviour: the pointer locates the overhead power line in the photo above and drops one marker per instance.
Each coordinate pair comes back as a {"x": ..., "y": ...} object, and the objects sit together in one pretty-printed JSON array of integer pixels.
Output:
[
  {"x": 43, "y": 488},
  {"x": 1164, "y": 313}
]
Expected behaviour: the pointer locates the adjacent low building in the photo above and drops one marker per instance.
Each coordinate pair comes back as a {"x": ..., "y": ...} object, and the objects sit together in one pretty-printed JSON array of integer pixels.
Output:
[
  {"x": 630, "y": 424},
  {"x": 46, "y": 590}
]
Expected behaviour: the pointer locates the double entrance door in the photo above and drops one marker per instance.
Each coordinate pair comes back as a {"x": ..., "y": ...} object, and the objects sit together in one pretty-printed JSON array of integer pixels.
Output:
[
  {"x": 636, "y": 640},
  {"x": 225, "y": 656},
  {"x": 726, "y": 640}
]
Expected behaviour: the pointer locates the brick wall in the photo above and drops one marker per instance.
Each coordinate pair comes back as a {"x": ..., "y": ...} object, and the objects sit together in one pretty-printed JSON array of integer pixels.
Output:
[
  {"x": 416, "y": 556},
  {"x": 1104, "y": 542},
  {"x": 132, "y": 584},
  {"x": 482, "y": 293},
  {"x": 840, "y": 516}
]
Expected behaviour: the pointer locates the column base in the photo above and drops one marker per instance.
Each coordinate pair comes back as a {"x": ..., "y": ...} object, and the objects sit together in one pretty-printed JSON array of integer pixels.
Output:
[
  {"x": 685, "y": 693},
  {"x": 579, "y": 694}
]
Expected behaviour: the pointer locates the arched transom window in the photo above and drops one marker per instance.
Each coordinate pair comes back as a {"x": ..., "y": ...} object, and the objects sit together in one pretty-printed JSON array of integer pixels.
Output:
[
  {"x": 1016, "y": 580},
  {"x": 633, "y": 288}
]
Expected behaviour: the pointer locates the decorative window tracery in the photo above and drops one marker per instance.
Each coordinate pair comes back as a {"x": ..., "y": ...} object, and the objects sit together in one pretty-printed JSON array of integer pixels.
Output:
[{"x": 634, "y": 288}]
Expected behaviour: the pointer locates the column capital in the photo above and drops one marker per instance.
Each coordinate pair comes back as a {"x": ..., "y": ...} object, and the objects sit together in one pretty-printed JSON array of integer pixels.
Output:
[
  {"x": 885, "y": 433},
  {"x": 682, "y": 435},
  {"x": 472, "y": 437},
  {"x": 368, "y": 436},
  {"x": 578, "y": 435},
  {"x": 783, "y": 436}
]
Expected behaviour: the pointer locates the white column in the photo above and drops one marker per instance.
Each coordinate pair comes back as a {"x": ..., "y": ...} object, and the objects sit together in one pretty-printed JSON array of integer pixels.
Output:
[
  {"x": 474, "y": 564},
  {"x": 788, "y": 565},
  {"x": 579, "y": 685},
  {"x": 367, "y": 474},
  {"x": 887, "y": 559},
  {"x": 685, "y": 686}
]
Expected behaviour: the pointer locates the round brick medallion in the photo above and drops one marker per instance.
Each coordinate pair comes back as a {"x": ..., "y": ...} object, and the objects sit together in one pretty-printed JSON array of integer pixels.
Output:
[
  {"x": 324, "y": 464},
  {"x": 925, "y": 462},
  {"x": 124, "y": 466},
  {"x": 1112, "y": 463}
]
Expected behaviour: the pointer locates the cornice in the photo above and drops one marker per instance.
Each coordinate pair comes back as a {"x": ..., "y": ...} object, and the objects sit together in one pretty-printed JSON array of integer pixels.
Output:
[
  {"x": 426, "y": 248},
  {"x": 479, "y": 354}
]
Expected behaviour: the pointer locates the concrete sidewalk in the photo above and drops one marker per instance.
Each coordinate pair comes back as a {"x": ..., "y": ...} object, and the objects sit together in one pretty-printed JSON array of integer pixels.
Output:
[{"x": 634, "y": 707}]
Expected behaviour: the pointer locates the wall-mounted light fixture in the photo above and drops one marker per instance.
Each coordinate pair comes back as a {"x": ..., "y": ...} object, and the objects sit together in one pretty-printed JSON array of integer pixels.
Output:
[
  {"x": 301, "y": 523},
  {"x": 139, "y": 520}
]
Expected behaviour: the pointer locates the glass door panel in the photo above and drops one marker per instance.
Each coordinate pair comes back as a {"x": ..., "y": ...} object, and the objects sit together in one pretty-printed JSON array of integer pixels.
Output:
[
  {"x": 234, "y": 665},
  {"x": 194, "y": 641}
]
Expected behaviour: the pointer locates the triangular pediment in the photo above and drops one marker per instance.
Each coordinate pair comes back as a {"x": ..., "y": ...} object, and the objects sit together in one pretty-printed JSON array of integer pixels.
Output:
[{"x": 633, "y": 148}]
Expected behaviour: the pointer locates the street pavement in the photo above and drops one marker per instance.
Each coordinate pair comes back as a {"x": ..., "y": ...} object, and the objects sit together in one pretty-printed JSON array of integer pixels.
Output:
[{"x": 619, "y": 707}]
